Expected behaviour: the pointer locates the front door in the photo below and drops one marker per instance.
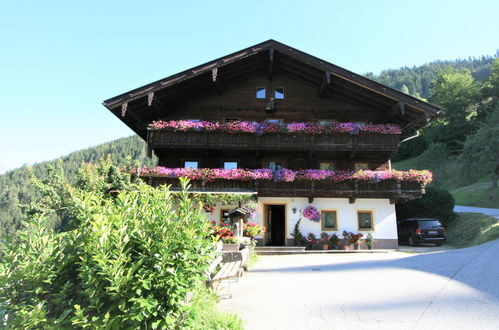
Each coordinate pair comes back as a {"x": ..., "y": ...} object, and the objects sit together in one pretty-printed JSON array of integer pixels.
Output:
[{"x": 276, "y": 224}]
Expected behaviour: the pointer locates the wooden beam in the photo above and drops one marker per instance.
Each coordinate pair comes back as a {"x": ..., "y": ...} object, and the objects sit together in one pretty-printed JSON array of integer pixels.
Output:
[
  {"x": 325, "y": 83},
  {"x": 154, "y": 103},
  {"x": 271, "y": 63},
  {"x": 216, "y": 80},
  {"x": 124, "y": 108},
  {"x": 424, "y": 118},
  {"x": 395, "y": 110}
]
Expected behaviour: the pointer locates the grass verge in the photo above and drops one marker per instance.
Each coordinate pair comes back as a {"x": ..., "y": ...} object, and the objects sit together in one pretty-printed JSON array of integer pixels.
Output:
[
  {"x": 478, "y": 194},
  {"x": 253, "y": 258},
  {"x": 204, "y": 314},
  {"x": 469, "y": 229}
]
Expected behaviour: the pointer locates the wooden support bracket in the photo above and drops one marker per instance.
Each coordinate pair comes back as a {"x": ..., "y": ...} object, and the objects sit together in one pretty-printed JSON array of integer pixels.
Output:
[
  {"x": 271, "y": 63},
  {"x": 216, "y": 80},
  {"x": 325, "y": 83},
  {"x": 154, "y": 103}
]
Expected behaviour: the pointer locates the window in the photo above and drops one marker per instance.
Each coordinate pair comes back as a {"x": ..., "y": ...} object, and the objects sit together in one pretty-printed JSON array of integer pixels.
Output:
[
  {"x": 329, "y": 166},
  {"x": 190, "y": 164},
  {"x": 230, "y": 165},
  {"x": 279, "y": 93},
  {"x": 361, "y": 166},
  {"x": 329, "y": 220},
  {"x": 365, "y": 220},
  {"x": 224, "y": 216},
  {"x": 229, "y": 120},
  {"x": 276, "y": 121},
  {"x": 274, "y": 165},
  {"x": 261, "y": 93}
]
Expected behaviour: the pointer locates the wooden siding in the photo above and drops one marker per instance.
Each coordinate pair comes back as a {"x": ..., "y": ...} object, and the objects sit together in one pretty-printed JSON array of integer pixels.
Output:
[{"x": 354, "y": 189}]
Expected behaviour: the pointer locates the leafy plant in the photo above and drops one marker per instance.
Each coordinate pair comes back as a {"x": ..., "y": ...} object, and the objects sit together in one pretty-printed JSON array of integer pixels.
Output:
[
  {"x": 130, "y": 260},
  {"x": 298, "y": 237}
]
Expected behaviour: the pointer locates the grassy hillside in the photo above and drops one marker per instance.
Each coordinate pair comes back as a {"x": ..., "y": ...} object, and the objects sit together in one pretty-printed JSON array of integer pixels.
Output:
[
  {"x": 470, "y": 229},
  {"x": 480, "y": 194}
]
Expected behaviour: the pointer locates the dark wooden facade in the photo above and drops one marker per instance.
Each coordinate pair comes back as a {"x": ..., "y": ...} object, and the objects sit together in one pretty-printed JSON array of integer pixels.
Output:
[
  {"x": 388, "y": 189},
  {"x": 314, "y": 90}
]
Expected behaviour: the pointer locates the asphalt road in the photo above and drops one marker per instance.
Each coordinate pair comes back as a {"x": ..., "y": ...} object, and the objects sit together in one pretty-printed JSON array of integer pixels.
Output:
[
  {"x": 445, "y": 289},
  {"x": 484, "y": 210}
]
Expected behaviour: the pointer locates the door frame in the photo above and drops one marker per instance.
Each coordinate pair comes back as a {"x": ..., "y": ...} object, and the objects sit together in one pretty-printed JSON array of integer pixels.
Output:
[{"x": 265, "y": 220}]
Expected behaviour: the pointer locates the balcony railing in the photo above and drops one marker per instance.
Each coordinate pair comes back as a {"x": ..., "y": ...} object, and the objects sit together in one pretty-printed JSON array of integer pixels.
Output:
[
  {"x": 352, "y": 189},
  {"x": 364, "y": 141}
]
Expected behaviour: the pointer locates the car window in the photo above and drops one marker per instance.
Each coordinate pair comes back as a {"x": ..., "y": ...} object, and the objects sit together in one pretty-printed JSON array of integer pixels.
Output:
[{"x": 429, "y": 224}]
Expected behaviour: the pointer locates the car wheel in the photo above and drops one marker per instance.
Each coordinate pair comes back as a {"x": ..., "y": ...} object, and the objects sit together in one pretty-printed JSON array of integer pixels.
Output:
[{"x": 411, "y": 241}]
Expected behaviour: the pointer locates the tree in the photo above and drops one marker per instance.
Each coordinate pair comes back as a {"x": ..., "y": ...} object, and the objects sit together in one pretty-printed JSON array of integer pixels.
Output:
[
  {"x": 436, "y": 203},
  {"x": 481, "y": 151},
  {"x": 458, "y": 94}
]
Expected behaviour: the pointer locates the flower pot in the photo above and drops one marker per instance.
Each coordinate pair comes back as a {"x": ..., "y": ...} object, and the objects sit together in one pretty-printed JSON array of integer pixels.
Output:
[
  {"x": 231, "y": 247},
  {"x": 369, "y": 247},
  {"x": 345, "y": 247},
  {"x": 356, "y": 246},
  {"x": 325, "y": 246}
]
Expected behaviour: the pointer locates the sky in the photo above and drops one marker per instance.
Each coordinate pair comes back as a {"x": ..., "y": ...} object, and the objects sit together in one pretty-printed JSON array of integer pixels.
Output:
[{"x": 60, "y": 59}]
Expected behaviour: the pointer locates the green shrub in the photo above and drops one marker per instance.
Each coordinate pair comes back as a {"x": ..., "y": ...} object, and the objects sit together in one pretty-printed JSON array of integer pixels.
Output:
[
  {"x": 436, "y": 203},
  {"x": 129, "y": 261}
]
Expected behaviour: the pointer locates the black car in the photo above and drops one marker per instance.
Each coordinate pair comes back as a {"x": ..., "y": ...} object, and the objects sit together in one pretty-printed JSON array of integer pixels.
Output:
[{"x": 421, "y": 230}]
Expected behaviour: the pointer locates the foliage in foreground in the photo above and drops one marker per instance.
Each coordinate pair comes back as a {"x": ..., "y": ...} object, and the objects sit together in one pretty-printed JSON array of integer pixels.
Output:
[
  {"x": 436, "y": 203},
  {"x": 131, "y": 260},
  {"x": 204, "y": 316},
  {"x": 471, "y": 229}
]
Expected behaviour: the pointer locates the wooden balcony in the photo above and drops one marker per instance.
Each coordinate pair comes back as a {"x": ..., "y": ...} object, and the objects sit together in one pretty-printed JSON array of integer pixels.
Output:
[
  {"x": 389, "y": 189},
  {"x": 364, "y": 141}
]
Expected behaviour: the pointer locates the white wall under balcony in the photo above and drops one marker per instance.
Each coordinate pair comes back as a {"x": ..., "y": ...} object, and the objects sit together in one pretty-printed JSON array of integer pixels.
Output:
[{"x": 385, "y": 223}]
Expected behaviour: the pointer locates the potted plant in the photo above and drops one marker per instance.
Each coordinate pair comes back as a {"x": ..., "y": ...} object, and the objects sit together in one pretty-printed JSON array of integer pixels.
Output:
[
  {"x": 231, "y": 243},
  {"x": 312, "y": 241},
  {"x": 355, "y": 240},
  {"x": 324, "y": 241},
  {"x": 370, "y": 241},
  {"x": 334, "y": 242},
  {"x": 346, "y": 241}
]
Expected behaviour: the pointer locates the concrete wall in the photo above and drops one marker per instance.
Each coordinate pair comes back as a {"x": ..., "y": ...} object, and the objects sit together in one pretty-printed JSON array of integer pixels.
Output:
[{"x": 385, "y": 223}]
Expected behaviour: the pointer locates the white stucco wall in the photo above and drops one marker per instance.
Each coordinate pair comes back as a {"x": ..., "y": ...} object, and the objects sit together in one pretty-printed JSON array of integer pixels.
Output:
[{"x": 385, "y": 223}]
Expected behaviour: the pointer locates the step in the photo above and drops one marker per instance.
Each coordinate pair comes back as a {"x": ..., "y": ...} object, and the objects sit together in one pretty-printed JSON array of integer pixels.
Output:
[
  {"x": 280, "y": 248},
  {"x": 275, "y": 252}
]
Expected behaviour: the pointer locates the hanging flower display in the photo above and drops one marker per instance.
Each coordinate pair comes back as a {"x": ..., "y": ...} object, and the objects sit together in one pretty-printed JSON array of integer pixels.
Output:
[
  {"x": 312, "y": 213},
  {"x": 257, "y": 128},
  {"x": 422, "y": 177}
]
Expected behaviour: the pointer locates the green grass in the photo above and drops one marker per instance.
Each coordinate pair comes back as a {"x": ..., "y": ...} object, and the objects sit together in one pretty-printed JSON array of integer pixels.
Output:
[
  {"x": 406, "y": 164},
  {"x": 205, "y": 316},
  {"x": 478, "y": 194},
  {"x": 469, "y": 229},
  {"x": 253, "y": 258}
]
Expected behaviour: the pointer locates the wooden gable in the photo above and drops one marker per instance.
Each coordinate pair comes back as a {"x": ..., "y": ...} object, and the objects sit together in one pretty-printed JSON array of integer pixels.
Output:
[{"x": 226, "y": 87}]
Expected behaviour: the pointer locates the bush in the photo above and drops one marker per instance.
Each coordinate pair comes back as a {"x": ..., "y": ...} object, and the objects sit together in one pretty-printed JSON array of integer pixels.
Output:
[
  {"x": 436, "y": 203},
  {"x": 131, "y": 261}
]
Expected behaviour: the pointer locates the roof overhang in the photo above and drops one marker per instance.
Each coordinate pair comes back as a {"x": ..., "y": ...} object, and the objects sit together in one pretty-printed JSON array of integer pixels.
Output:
[{"x": 139, "y": 106}]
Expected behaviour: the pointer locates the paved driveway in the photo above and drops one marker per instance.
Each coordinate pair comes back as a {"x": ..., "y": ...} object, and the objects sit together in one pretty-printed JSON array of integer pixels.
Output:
[{"x": 449, "y": 289}]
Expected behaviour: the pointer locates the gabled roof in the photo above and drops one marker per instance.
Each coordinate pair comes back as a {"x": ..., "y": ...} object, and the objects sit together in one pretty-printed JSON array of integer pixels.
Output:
[{"x": 409, "y": 112}]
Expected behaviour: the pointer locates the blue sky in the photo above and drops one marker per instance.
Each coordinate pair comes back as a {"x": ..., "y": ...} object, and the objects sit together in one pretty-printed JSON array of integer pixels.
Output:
[{"x": 60, "y": 59}]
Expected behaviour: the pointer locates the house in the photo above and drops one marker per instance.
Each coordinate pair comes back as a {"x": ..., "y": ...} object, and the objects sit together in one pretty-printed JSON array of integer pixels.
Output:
[{"x": 309, "y": 133}]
